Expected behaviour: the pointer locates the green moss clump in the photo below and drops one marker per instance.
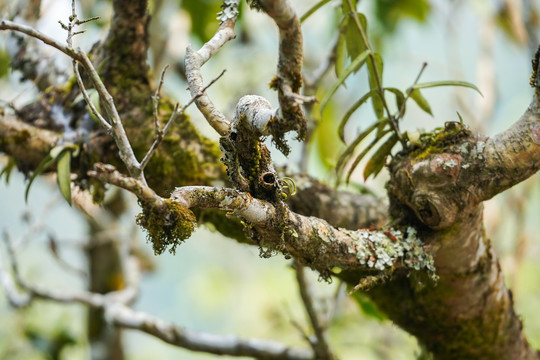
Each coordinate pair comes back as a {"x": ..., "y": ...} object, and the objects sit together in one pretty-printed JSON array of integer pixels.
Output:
[{"x": 166, "y": 226}]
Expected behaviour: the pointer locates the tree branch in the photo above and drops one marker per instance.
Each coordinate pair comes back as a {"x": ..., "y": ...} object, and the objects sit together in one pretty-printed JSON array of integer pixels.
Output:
[
  {"x": 118, "y": 313},
  {"x": 289, "y": 71},
  {"x": 195, "y": 60}
]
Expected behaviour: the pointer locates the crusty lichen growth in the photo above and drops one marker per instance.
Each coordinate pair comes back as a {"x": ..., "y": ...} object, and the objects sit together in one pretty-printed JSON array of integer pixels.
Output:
[{"x": 167, "y": 225}]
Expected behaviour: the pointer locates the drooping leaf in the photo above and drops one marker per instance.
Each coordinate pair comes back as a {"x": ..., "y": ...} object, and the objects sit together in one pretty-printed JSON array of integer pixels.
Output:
[
  {"x": 447, "y": 83},
  {"x": 355, "y": 41},
  {"x": 355, "y": 65},
  {"x": 346, "y": 117},
  {"x": 63, "y": 174},
  {"x": 8, "y": 168},
  {"x": 350, "y": 149},
  {"x": 362, "y": 154},
  {"x": 43, "y": 165},
  {"x": 313, "y": 9},
  {"x": 375, "y": 72},
  {"x": 420, "y": 100},
  {"x": 400, "y": 97},
  {"x": 378, "y": 160}
]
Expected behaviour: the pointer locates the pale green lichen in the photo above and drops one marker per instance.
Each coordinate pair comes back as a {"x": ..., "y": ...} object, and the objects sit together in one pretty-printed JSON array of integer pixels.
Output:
[{"x": 381, "y": 250}]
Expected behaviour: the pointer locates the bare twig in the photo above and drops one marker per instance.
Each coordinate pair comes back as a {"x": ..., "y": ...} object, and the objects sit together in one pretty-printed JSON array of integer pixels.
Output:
[
  {"x": 126, "y": 152},
  {"x": 177, "y": 113},
  {"x": 155, "y": 101},
  {"x": 321, "y": 346}
]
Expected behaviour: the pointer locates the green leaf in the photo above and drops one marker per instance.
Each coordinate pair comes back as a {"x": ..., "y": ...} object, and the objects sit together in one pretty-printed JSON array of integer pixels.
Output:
[
  {"x": 339, "y": 64},
  {"x": 389, "y": 13},
  {"x": 350, "y": 149},
  {"x": 4, "y": 63},
  {"x": 8, "y": 168},
  {"x": 43, "y": 165},
  {"x": 420, "y": 100},
  {"x": 447, "y": 83},
  {"x": 364, "y": 152},
  {"x": 367, "y": 306},
  {"x": 355, "y": 41},
  {"x": 377, "y": 161},
  {"x": 375, "y": 71},
  {"x": 355, "y": 65},
  {"x": 313, "y": 9},
  {"x": 400, "y": 97},
  {"x": 356, "y": 105},
  {"x": 63, "y": 172}
]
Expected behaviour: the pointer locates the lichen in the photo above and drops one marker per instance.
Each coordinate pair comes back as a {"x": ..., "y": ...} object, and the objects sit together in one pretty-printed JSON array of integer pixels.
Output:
[{"x": 167, "y": 225}]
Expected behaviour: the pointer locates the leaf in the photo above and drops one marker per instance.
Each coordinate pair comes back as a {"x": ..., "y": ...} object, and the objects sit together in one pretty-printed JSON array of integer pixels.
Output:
[
  {"x": 355, "y": 41},
  {"x": 364, "y": 152},
  {"x": 367, "y": 306},
  {"x": 355, "y": 65},
  {"x": 356, "y": 105},
  {"x": 377, "y": 161},
  {"x": 375, "y": 71},
  {"x": 420, "y": 100},
  {"x": 63, "y": 174},
  {"x": 339, "y": 64},
  {"x": 389, "y": 13},
  {"x": 400, "y": 97},
  {"x": 8, "y": 168},
  {"x": 350, "y": 149},
  {"x": 447, "y": 83},
  {"x": 43, "y": 165},
  {"x": 313, "y": 9}
]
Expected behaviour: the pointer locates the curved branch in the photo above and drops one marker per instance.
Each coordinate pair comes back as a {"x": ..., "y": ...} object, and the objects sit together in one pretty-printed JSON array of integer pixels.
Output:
[
  {"x": 196, "y": 59},
  {"x": 289, "y": 71}
]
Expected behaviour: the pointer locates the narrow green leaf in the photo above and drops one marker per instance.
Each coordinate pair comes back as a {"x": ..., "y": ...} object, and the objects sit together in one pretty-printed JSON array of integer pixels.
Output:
[
  {"x": 346, "y": 117},
  {"x": 400, "y": 97},
  {"x": 364, "y": 152},
  {"x": 375, "y": 71},
  {"x": 314, "y": 8},
  {"x": 355, "y": 41},
  {"x": 421, "y": 101},
  {"x": 377, "y": 161},
  {"x": 350, "y": 149},
  {"x": 355, "y": 65},
  {"x": 63, "y": 174},
  {"x": 447, "y": 83},
  {"x": 43, "y": 165},
  {"x": 8, "y": 168},
  {"x": 341, "y": 53}
]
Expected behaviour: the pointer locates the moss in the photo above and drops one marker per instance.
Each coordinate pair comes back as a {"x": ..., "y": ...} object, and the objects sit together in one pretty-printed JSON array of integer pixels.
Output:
[
  {"x": 166, "y": 226},
  {"x": 439, "y": 141}
]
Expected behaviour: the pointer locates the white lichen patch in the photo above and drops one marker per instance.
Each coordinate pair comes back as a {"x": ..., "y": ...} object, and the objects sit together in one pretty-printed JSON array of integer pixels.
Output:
[
  {"x": 229, "y": 12},
  {"x": 383, "y": 250},
  {"x": 478, "y": 150}
]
